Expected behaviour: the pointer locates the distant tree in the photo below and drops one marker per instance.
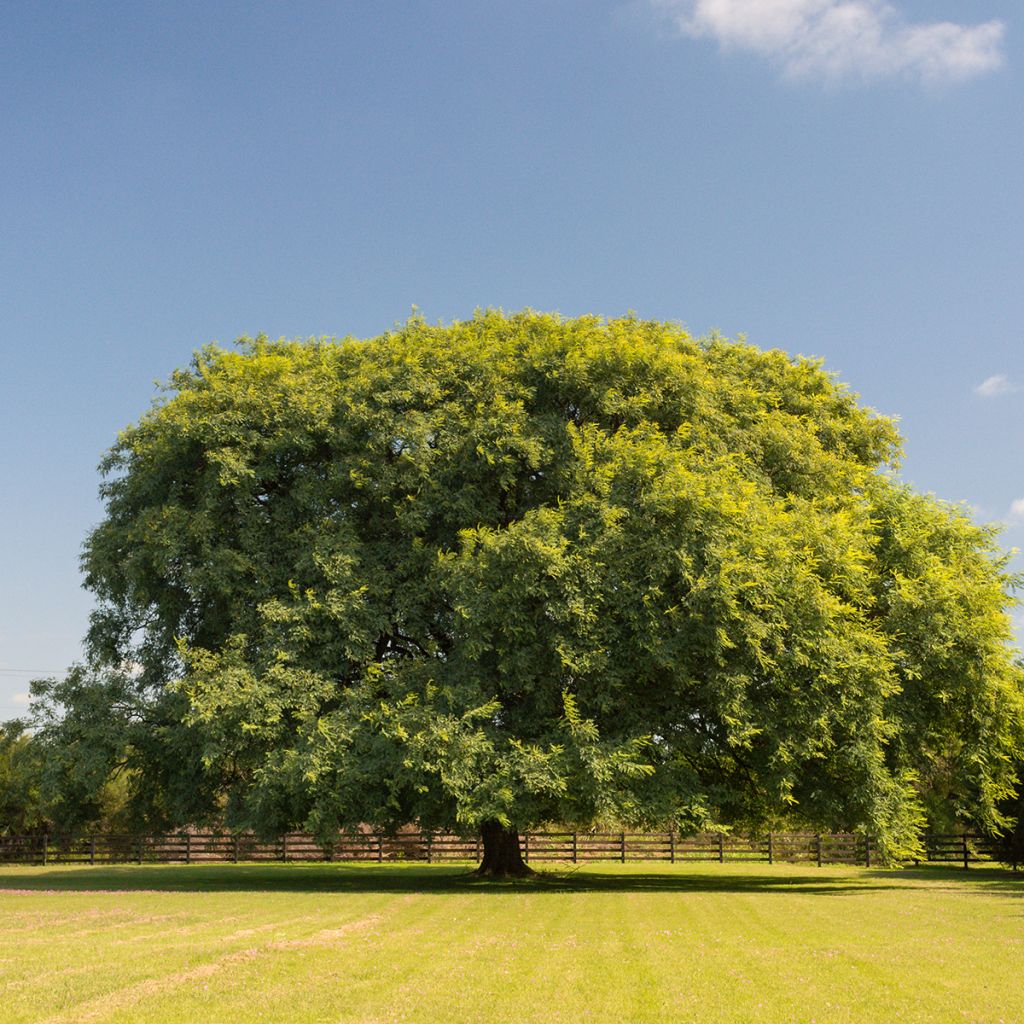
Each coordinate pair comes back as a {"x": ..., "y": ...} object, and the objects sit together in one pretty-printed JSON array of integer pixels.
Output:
[
  {"x": 94, "y": 731},
  {"x": 21, "y": 803},
  {"x": 524, "y": 569},
  {"x": 1008, "y": 842}
]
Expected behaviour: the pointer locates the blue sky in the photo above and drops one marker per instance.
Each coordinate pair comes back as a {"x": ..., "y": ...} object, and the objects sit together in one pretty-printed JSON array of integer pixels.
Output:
[{"x": 839, "y": 178}]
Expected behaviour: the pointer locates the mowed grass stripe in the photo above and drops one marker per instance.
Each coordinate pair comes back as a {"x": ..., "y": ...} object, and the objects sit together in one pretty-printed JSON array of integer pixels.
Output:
[
  {"x": 339, "y": 943},
  {"x": 78, "y": 973},
  {"x": 125, "y": 1002}
]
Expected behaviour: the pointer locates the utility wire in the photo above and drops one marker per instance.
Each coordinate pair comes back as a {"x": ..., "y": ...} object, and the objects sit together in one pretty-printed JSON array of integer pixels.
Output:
[{"x": 32, "y": 671}]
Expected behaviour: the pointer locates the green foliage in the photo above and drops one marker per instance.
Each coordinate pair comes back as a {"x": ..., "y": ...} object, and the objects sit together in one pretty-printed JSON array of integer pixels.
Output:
[
  {"x": 1009, "y": 840},
  {"x": 21, "y": 762},
  {"x": 528, "y": 569},
  {"x": 47, "y": 786},
  {"x": 113, "y": 755}
]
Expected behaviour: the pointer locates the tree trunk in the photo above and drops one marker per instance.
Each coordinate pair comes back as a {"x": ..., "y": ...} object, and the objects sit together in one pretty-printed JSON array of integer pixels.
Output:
[{"x": 502, "y": 858}]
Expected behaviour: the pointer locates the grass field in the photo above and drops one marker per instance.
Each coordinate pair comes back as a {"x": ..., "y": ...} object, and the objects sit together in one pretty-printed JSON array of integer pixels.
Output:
[{"x": 621, "y": 944}]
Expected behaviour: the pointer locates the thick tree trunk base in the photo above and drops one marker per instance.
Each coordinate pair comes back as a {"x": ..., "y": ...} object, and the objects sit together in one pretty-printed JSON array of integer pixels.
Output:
[{"x": 502, "y": 856}]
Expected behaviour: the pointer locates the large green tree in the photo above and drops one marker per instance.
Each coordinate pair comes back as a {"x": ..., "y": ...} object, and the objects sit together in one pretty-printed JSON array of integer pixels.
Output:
[{"x": 524, "y": 569}]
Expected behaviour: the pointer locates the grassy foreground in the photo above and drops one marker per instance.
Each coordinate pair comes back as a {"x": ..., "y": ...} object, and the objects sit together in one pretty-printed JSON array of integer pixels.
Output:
[{"x": 228, "y": 944}]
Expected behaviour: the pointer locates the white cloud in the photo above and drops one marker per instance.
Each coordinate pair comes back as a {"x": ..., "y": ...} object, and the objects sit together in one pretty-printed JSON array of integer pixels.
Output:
[
  {"x": 1017, "y": 511},
  {"x": 997, "y": 384},
  {"x": 835, "y": 39},
  {"x": 20, "y": 699}
]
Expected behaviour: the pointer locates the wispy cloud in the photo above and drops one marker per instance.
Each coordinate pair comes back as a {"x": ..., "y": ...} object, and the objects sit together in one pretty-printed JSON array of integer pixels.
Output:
[
  {"x": 997, "y": 384},
  {"x": 21, "y": 699},
  {"x": 842, "y": 39},
  {"x": 1017, "y": 511}
]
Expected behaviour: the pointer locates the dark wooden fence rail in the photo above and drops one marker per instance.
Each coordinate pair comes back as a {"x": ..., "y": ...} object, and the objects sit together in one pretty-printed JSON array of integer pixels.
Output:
[{"x": 962, "y": 849}]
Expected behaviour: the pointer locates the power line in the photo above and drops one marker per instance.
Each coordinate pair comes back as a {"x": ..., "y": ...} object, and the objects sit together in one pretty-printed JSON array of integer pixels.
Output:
[{"x": 33, "y": 671}]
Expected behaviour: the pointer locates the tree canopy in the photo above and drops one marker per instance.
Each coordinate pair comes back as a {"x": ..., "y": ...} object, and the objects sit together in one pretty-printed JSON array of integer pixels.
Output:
[{"x": 525, "y": 569}]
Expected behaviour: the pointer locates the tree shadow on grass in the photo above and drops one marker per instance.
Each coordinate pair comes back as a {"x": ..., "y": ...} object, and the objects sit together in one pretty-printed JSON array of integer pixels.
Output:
[
  {"x": 458, "y": 879},
  {"x": 990, "y": 878}
]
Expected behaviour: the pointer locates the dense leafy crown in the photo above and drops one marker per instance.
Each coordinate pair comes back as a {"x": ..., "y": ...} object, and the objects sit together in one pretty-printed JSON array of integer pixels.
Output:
[{"x": 531, "y": 569}]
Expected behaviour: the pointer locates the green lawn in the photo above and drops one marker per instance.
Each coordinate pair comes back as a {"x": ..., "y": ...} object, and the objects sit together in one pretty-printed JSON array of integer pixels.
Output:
[{"x": 620, "y": 944}]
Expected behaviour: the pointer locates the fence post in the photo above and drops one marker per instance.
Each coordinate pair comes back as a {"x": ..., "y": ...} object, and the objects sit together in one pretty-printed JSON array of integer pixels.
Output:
[
  {"x": 235, "y": 848},
  {"x": 138, "y": 850},
  {"x": 721, "y": 848},
  {"x": 430, "y": 851},
  {"x": 380, "y": 848},
  {"x": 867, "y": 850},
  {"x": 967, "y": 859},
  {"x": 284, "y": 847},
  {"x": 188, "y": 847},
  {"x": 622, "y": 847},
  {"x": 817, "y": 845},
  {"x": 526, "y": 847},
  {"x": 771, "y": 849},
  {"x": 92, "y": 849},
  {"x": 46, "y": 849},
  {"x": 671, "y": 846},
  {"x": 574, "y": 847}
]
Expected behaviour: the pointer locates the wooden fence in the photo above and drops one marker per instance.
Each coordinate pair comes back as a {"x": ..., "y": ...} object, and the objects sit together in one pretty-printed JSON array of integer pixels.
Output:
[{"x": 962, "y": 849}]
